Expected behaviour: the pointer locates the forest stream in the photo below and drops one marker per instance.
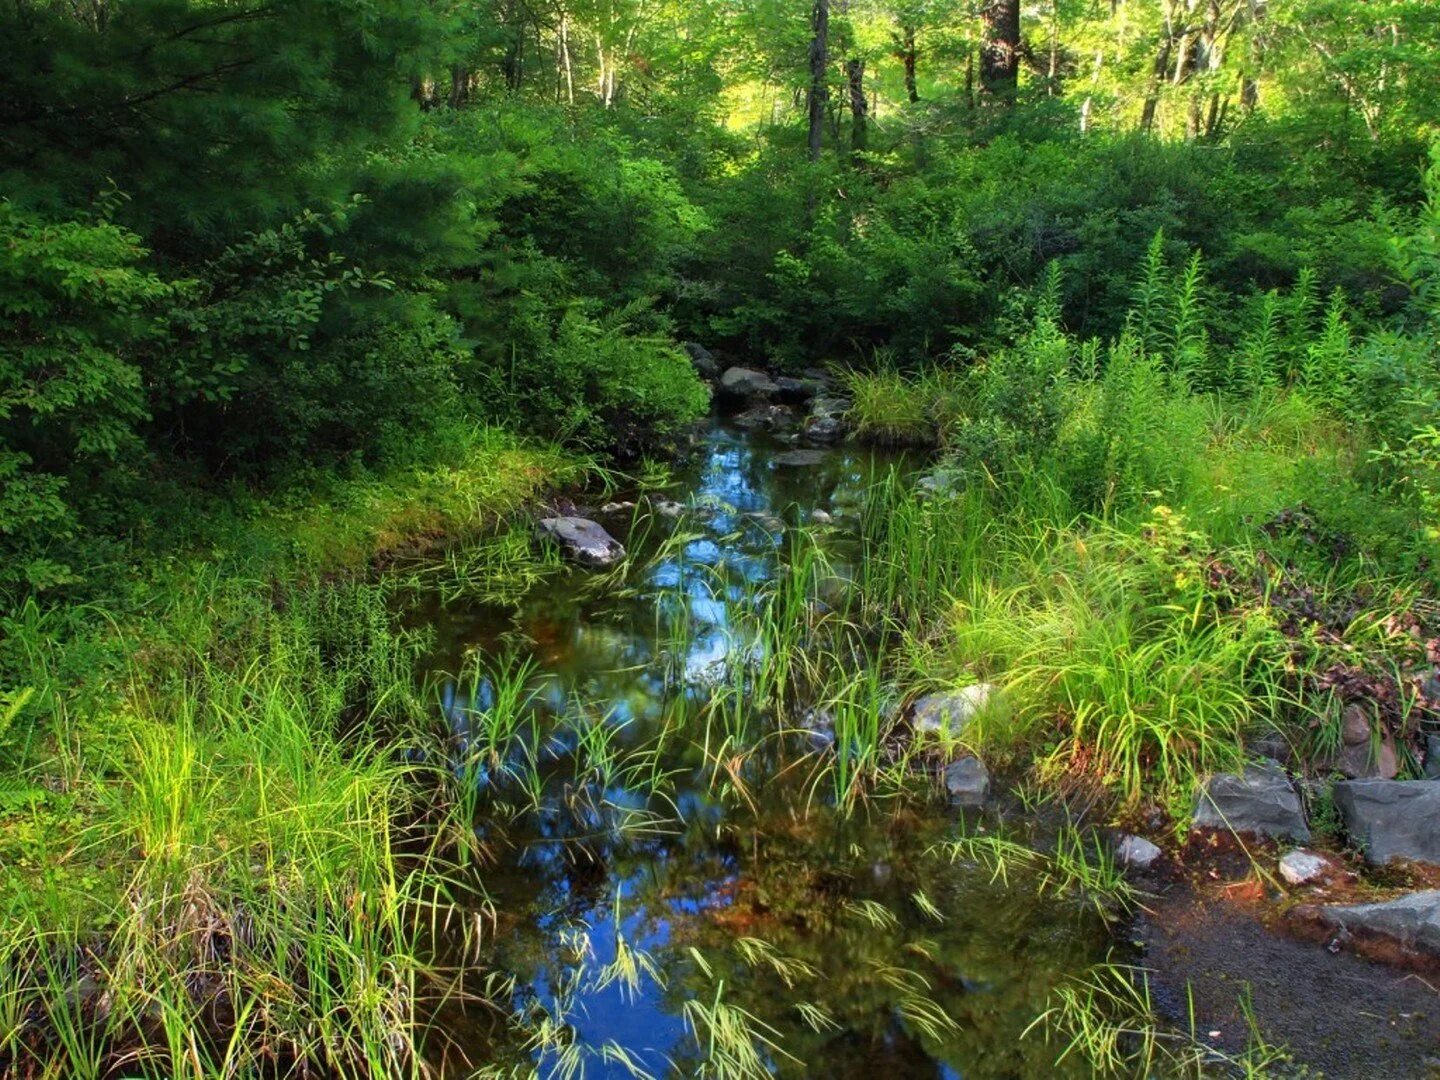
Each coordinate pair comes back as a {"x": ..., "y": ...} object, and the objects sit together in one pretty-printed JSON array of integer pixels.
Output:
[{"x": 844, "y": 937}]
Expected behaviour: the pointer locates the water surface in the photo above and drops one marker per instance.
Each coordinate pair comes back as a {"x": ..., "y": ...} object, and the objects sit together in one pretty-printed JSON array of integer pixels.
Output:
[{"x": 637, "y": 861}]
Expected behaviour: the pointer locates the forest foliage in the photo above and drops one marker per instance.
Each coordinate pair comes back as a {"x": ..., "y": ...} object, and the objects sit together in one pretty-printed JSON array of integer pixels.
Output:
[{"x": 244, "y": 241}]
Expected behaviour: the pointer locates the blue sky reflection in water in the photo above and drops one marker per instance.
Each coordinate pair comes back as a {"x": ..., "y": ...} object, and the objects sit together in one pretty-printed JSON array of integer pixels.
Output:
[{"x": 755, "y": 894}]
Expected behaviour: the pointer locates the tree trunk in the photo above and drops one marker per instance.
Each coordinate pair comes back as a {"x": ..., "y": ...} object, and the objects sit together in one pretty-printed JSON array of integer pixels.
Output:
[
  {"x": 1000, "y": 51},
  {"x": 907, "y": 54},
  {"x": 1157, "y": 73},
  {"x": 565, "y": 61},
  {"x": 819, "y": 61},
  {"x": 859, "y": 106}
]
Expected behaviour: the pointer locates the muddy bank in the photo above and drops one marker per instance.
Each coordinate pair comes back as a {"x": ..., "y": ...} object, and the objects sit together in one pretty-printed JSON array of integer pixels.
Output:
[{"x": 1212, "y": 947}]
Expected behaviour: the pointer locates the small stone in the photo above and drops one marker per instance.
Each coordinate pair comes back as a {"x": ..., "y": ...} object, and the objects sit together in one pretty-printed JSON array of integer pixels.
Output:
[
  {"x": 1300, "y": 867},
  {"x": 951, "y": 710},
  {"x": 821, "y": 517},
  {"x": 668, "y": 508},
  {"x": 617, "y": 507},
  {"x": 582, "y": 540},
  {"x": 1136, "y": 851},
  {"x": 967, "y": 783},
  {"x": 1261, "y": 801},
  {"x": 819, "y": 725}
]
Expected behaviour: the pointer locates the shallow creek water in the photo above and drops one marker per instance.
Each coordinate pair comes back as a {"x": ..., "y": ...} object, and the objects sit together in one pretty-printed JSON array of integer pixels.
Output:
[{"x": 735, "y": 881}]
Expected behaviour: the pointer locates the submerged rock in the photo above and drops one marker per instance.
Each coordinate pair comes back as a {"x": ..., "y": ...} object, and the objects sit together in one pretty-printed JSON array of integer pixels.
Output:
[
  {"x": 701, "y": 359},
  {"x": 819, "y": 727},
  {"x": 1260, "y": 801},
  {"x": 668, "y": 507},
  {"x": 765, "y": 418},
  {"x": 617, "y": 507},
  {"x": 582, "y": 540},
  {"x": 1412, "y": 920},
  {"x": 824, "y": 429},
  {"x": 941, "y": 483},
  {"x": 821, "y": 517},
  {"x": 748, "y": 384},
  {"x": 951, "y": 710},
  {"x": 1300, "y": 867},
  {"x": 800, "y": 459},
  {"x": 967, "y": 783},
  {"x": 1136, "y": 851},
  {"x": 1390, "y": 819}
]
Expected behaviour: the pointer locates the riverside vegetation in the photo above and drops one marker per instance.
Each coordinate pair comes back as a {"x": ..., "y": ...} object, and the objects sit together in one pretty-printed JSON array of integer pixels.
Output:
[{"x": 314, "y": 762}]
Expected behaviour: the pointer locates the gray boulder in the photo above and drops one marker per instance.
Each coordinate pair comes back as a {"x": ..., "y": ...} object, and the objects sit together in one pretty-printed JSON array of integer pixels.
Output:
[
  {"x": 748, "y": 384},
  {"x": 967, "y": 783},
  {"x": 1136, "y": 851},
  {"x": 1413, "y": 920},
  {"x": 1300, "y": 867},
  {"x": 1391, "y": 819},
  {"x": 950, "y": 710},
  {"x": 797, "y": 391},
  {"x": 582, "y": 540},
  {"x": 1260, "y": 801},
  {"x": 701, "y": 359}
]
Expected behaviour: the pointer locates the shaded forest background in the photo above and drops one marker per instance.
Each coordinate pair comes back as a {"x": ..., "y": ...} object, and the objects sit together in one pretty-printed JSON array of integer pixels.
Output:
[{"x": 248, "y": 243}]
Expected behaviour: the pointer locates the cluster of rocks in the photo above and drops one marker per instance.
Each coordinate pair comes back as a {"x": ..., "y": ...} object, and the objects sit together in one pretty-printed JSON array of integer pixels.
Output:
[
  {"x": 802, "y": 408},
  {"x": 1384, "y": 819},
  {"x": 943, "y": 718}
]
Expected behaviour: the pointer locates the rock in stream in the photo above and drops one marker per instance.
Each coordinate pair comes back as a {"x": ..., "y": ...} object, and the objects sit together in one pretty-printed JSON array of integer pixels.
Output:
[{"x": 582, "y": 540}]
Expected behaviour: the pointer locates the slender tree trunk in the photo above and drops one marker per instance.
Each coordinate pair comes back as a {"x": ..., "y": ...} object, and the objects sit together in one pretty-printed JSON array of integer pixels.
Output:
[
  {"x": 970, "y": 81},
  {"x": 565, "y": 63},
  {"x": 907, "y": 54},
  {"x": 1158, "y": 72},
  {"x": 859, "y": 105},
  {"x": 819, "y": 61},
  {"x": 1000, "y": 51}
]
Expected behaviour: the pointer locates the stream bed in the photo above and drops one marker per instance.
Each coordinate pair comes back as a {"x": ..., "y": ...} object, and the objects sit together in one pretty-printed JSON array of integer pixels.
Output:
[{"x": 655, "y": 882}]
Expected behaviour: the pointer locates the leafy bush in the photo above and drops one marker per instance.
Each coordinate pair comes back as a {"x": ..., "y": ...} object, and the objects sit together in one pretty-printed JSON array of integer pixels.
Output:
[{"x": 79, "y": 314}]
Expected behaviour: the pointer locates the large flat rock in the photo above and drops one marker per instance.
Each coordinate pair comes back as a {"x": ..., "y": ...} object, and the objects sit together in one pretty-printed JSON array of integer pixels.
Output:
[
  {"x": 1261, "y": 801},
  {"x": 748, "y": 384},
  {"x": 1412, "y": 920},
  {"x": 1389, "y": 819}
]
